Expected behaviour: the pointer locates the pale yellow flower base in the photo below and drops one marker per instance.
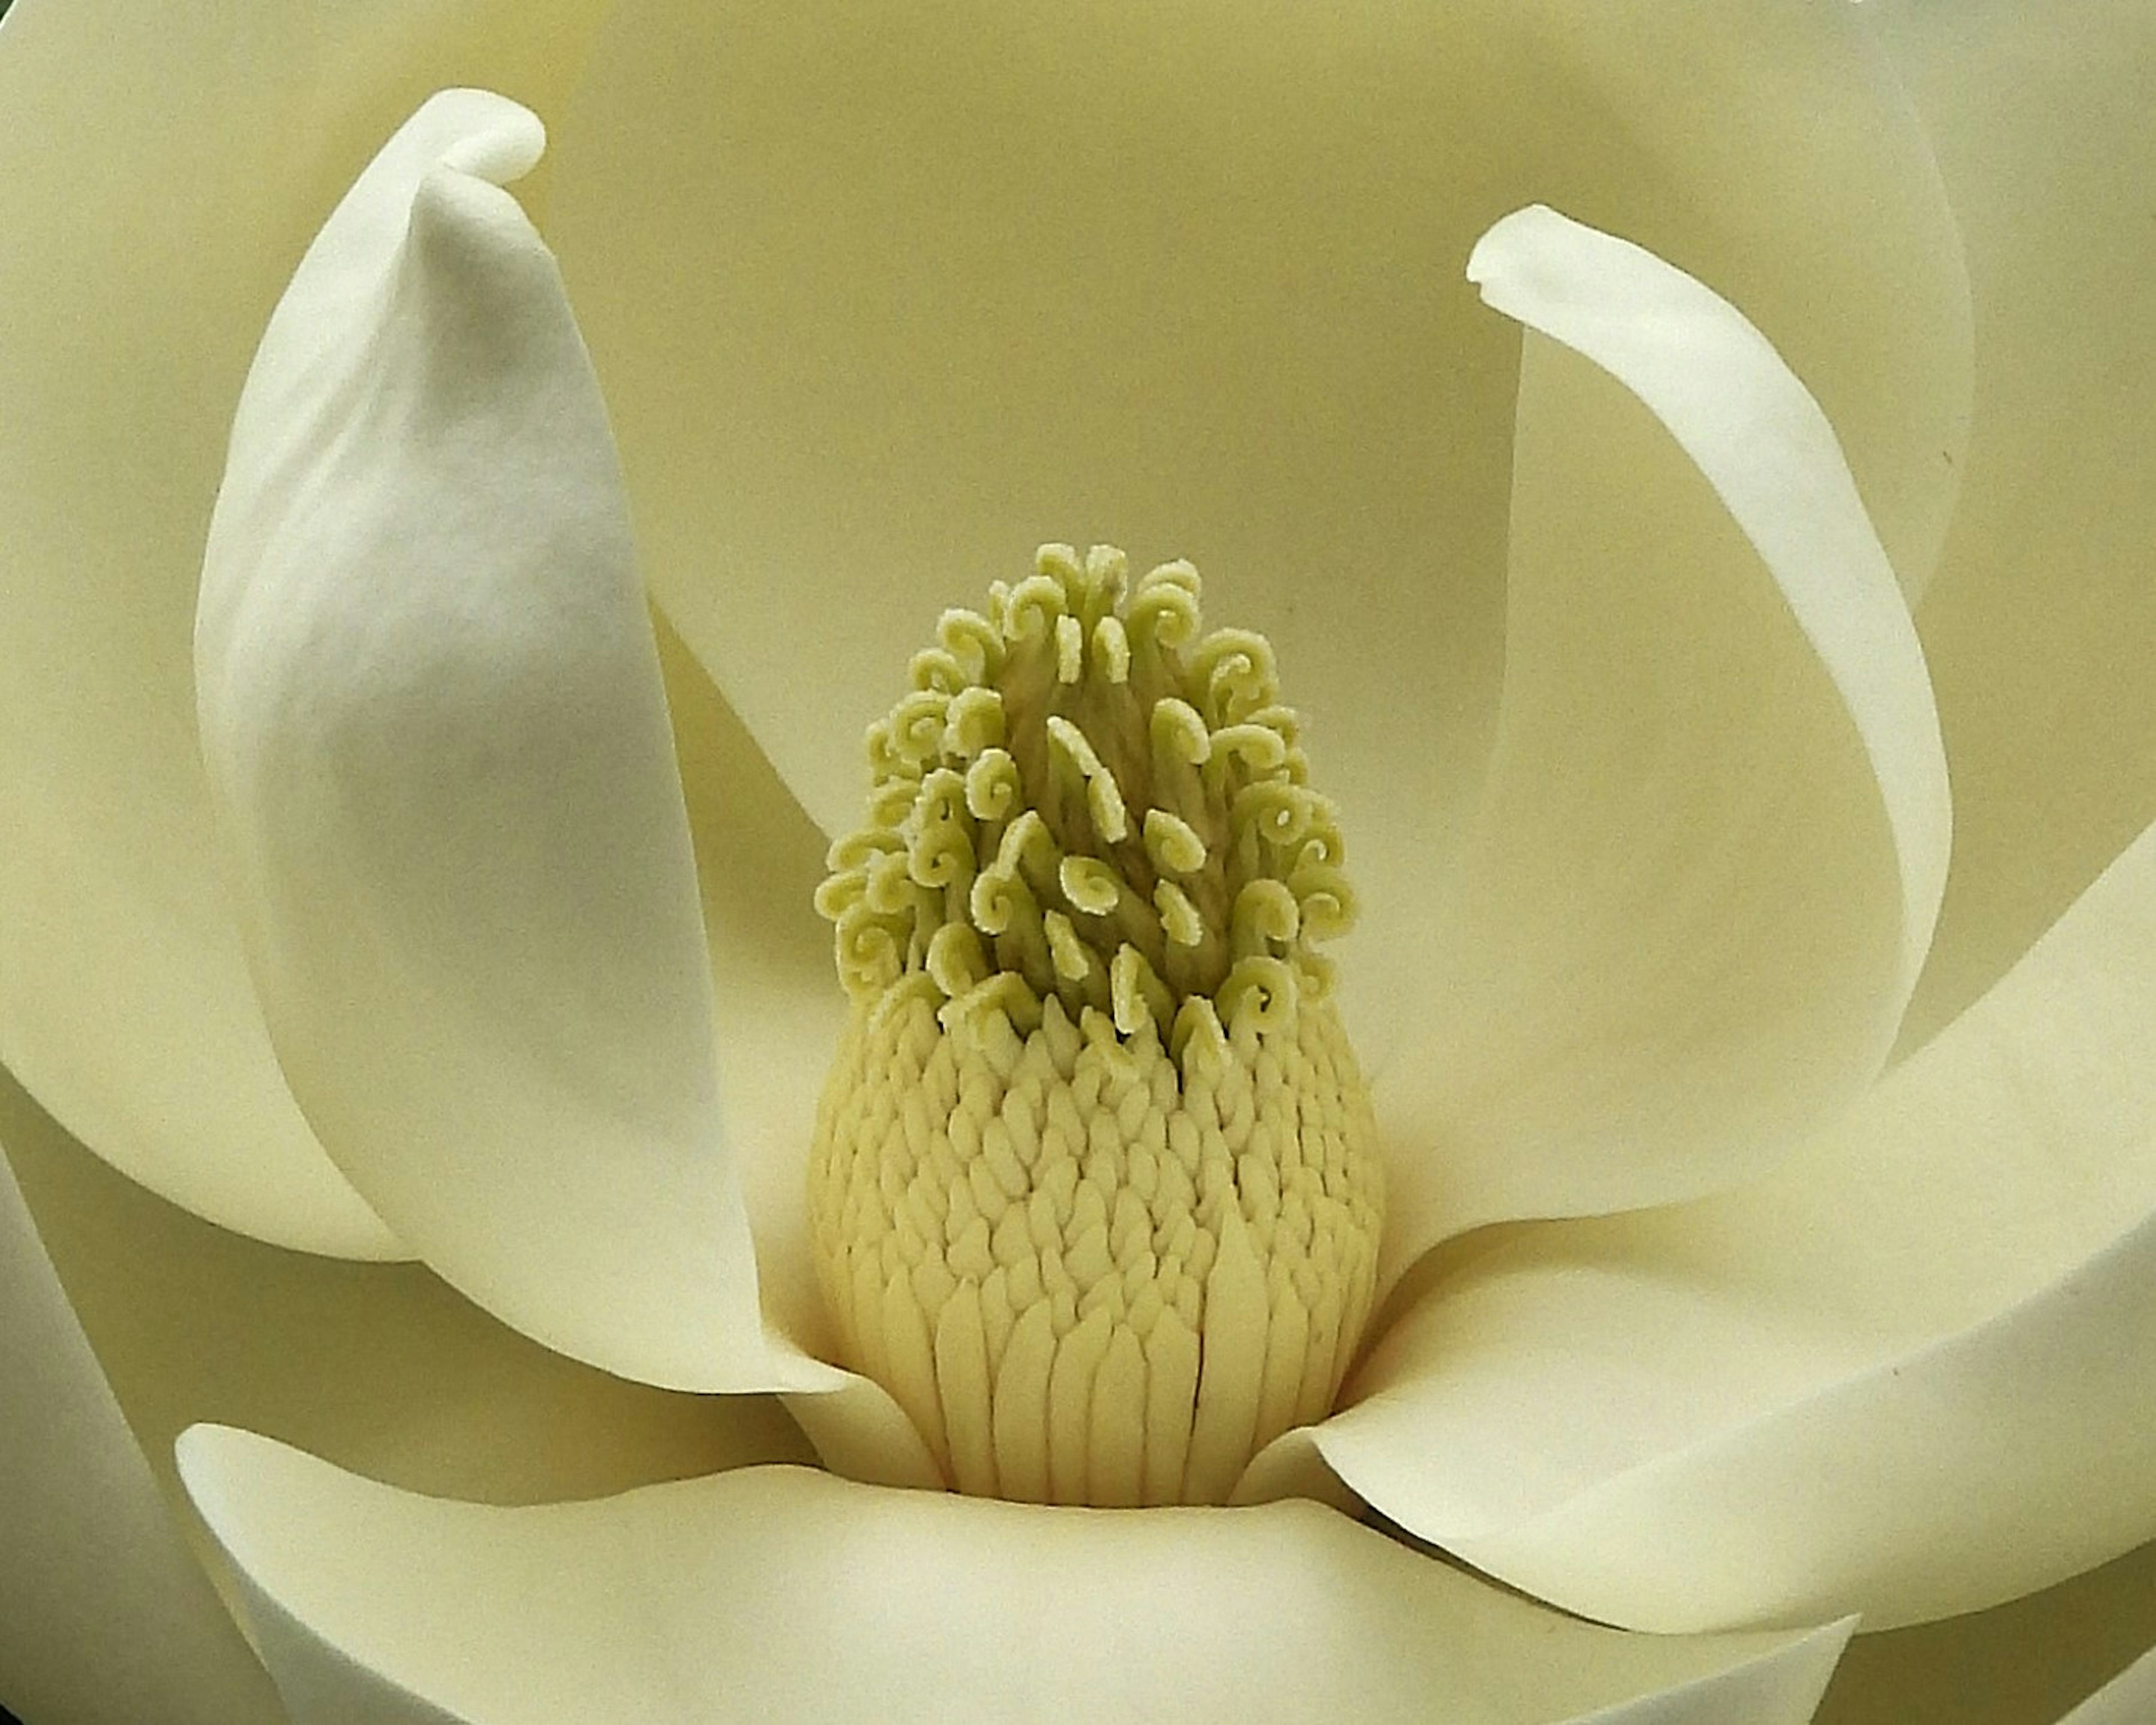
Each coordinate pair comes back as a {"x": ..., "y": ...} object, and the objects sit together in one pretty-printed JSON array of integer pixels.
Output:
[{"x": 1094, "y": 1191}]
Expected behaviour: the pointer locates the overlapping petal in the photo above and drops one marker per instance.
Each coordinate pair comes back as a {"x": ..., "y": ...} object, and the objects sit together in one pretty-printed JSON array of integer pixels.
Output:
[
  {"x": 160, "y": 171},
  {"x": 1908, "y": 1372},
  {"x": 379, "y": 1367},
  {"x": 2054, "y": 1301},
  {"x": 881, "y": 303},
  {"x": 782, "y": 1595},
  {"x": 2128, "y": 1698},
  {"x": 779, "y": 1013},
  {"x": 2026, "y": 1662},
  {"x": 2041, "y": 624},
  {"x": 440, "y": 752},
  {"x": 1714, "y": 835},
  {"x": 104, "y": 1614}
]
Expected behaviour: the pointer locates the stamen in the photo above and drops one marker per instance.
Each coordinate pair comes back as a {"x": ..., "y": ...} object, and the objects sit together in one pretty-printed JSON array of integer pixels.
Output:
[{"x": 1094, "y": 1191}]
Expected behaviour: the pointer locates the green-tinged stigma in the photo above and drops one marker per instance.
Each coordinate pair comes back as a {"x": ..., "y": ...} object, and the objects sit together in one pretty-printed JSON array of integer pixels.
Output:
[{"x": 1095, "y": 1192}]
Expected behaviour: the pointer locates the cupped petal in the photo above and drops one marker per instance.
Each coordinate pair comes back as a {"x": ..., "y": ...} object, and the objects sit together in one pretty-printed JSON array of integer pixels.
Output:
[
  {"x": 380, "y": 1368},
  {"x": 2127, "y": 1699},
  {"x": 780, "y": 1010},
  {"x": 780, "y": 1006},
  {"x": 161, "y": 171},
  {"x": 882, "y": 303},
  {"x": 439, "y": 748},
  {"x": 2041, "y": 622},
  {"x": 104, "y": 1616},
  {"x": 780, "y": 1594},
  {"x": 1906, "y": 1375},
  {"x": 2024, "y": 1663},
  {"x": 1714, "y": 836}
]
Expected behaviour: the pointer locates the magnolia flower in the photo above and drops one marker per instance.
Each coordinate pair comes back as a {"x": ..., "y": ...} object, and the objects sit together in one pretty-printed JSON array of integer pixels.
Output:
[{"x": 1761, "y": 1247}]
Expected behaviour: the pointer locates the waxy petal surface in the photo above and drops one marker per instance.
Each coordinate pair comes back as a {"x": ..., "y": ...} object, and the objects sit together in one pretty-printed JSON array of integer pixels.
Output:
[
  {"x": 2128, "y": 1698},
  {"x": 783, "y": 1594},
  {"x": 1907, "y": 1374},
  {"x": 881, "y": 304},
  {"x": 2023, "y": 1663},
  {"x": 104, "y": 1616},
  {"x": 1714, "y": 836},
  {"x": 160, "y": 171},
  {"x": 438, "y": 747},
  {"x": 382, "y": 1368},
  {"x": 2041, "y": 622}
]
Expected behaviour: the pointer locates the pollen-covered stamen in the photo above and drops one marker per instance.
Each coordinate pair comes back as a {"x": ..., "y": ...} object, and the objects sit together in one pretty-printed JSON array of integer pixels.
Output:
[{"x": 1094, "y": 1191}]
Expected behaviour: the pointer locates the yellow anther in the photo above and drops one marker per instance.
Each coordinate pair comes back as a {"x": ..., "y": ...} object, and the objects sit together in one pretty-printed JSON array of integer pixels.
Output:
[
  {"x": 1141, "y": 997},
  {"x": 1178, "y": 733},
  {"x": 889, "y": 803},
  {"x": 1091, "y": 884},
  {"x": 1179, "y": 917},
  {"x": 1111, "y": 645},
  {"x": 888, "y": 890},
  {"x": 1258, "y": 748},
  {"x": 1327, "y": 901},
  {"x": 1263, "y": 989},
  {"x": 1104, "y": 798},
  {"x": 839, "y": 893},
  {"x": 955, "y": 961},
  {"x": 999, "y": 900},
  {"x": 1031, "y": 610},
  {"x": 1061, "y": 564},
  {"x": 975, "y": 723},
  {"x": 1107, "y": 571},
  {"x": 1274, "y": 810},
  {"x": 916, "y": 725},
  {"x": 1172, "y": 843},
  {"x": 1074, "y": 962},
  {"x": 974, "y": 641},
  {"x": 1069, "y": 649},
  {"x": 994, "y": 789},
  {"x": 1164, "y": 610},
  {"x": 1094, "y": 1191},
  {"x": 1234, "y": 666},
  {"x": 938, "y": 669},
  {"x": 1265, "y": 916}
]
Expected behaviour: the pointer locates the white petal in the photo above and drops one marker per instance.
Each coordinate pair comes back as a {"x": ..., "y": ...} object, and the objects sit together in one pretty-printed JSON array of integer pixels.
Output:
[
  {"x": 380, "y": 1368},
  {"x": 2128, "y": 1699},
  {"x": 780, "y": 1010},
  {"x": 103, "y": 1617},
  {"x": 2020, "y": 1664},
  {"x": 780, "y": 1006},
  {"x": 785, "y": 1594},
  {"x": 161, "y": 169},
  {"x": 437, "y": 744},
  {"x": 2041, "y": 624},
  {"x": 1906, "y": 1375},
  {"x": 882, "y": 306},
  {"x": 1713, "y": 842}
]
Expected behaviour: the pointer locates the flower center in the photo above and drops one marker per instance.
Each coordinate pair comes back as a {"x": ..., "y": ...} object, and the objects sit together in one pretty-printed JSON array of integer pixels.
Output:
[{"x": 1095, "y": 1192}]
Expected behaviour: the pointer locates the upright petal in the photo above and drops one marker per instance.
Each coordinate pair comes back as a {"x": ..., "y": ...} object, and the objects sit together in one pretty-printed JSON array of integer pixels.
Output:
[
  {"x": 883, "y": 300},
  {"x": 2024, "y": 1663},
  {"x": 759, "y": 861},
  {"x": 2128, "y": 1698},
  {"x": 786, "y": 1595},
  {"x": 1906, "y": 1375},
  {"x": 161, "y": 170},
  {"x": 104, "y": 1617},
  {"x": 437, "y": 744},
  {"x": 1714, "y": 836},
  {"x": 2041, "y": 622},
  {"x": 383, "y": 1367}
]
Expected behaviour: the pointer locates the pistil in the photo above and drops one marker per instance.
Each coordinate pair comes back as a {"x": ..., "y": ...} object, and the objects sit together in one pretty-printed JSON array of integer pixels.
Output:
[{"x": 1094, "y": 1191}]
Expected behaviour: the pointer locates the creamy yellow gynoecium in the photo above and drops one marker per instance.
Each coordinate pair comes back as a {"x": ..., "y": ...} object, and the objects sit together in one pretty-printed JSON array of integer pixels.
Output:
[{"x": 1094, "y": 1191}]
